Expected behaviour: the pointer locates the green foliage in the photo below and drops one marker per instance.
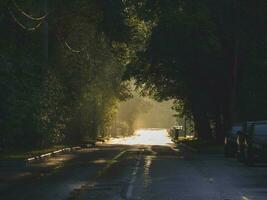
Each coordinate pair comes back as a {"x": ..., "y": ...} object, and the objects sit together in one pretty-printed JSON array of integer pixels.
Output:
[
  {"x": 63, "y": 64},
  {"x": 130, "y": 110},
  {"x": 191, "y": 56},
  {"x": 61, "y": 80}
]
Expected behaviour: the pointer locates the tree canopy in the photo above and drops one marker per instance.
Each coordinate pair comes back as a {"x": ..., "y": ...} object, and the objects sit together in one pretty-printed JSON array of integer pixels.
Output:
[
  {"x": 65, "y": 64},
  {"x": 206, "y": 55}
]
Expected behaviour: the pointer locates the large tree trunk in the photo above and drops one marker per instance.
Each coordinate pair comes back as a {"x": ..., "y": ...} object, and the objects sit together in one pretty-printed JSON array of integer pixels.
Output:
[
  {"x": 202, "y": 126},
  {"x": 234, "y": 71},
  {"x": 219, "y": 129},
  {"x": 46, "y": 34}
]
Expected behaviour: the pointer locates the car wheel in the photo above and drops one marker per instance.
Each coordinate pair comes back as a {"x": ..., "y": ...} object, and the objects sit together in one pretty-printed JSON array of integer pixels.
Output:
[
  {"x": 226, "y": 151},
  {"x": 229, "y": 151},
  {"x": 240, "y": 154},
  {"x": 248, "y": 156}
]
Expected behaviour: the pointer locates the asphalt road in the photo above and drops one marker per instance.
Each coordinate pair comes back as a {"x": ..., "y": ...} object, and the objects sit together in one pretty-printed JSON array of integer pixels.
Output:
[{"x": 165, "y": 171}]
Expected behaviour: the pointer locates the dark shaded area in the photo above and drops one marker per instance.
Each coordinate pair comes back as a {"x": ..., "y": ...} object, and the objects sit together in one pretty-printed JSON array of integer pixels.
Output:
[
  {"x": 61, "y": 67},
  {"x": 210, "y": 57},
  {"x": 65, "y": 65}
]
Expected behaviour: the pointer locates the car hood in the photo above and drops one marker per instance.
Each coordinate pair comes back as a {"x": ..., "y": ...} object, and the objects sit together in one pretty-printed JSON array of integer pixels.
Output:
[{"x": 260, "y": 139}]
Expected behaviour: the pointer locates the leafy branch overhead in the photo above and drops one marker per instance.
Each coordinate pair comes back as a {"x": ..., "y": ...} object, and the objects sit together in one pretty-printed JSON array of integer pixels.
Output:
[{"x": 66, "y": 64}]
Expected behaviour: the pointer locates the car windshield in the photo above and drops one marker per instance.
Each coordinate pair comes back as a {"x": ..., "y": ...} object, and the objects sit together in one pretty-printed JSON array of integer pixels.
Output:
[
  {"x": 261, "y": 129},
  {"x": 235, "y": 129}
]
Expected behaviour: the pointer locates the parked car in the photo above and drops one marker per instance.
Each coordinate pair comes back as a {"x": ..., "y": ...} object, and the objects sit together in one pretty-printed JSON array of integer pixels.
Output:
[
  {"x": 252, "y": 143},
  {"x": 230, "y": 144},
  {"x": 175, "y": 132},
  {"x": 240, "y": 140}
]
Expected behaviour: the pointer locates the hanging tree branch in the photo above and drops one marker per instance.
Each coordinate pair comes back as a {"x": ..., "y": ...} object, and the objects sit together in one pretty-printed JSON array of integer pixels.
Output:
[
  {"x": 64, "y": 42},
  {"x": 71, "y": 49},
  {"x": 24, "y": 26},
  {"x": 41, "y": 20},
  {"x": 28, "y": 15}
]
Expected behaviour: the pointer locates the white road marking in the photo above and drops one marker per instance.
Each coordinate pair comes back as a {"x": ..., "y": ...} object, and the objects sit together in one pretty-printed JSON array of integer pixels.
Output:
[
  {"x": 111, "y": 162},
  {"x": 177, "y": 150},
  {"x": 133, "y": 178}
]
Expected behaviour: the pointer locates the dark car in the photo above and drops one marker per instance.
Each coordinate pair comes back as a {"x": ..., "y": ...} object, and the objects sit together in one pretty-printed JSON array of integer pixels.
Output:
[
  {"x": 175, "y": 132},
  {"x": 230, "y": 145},
  {"x": 252, "y": 143}
]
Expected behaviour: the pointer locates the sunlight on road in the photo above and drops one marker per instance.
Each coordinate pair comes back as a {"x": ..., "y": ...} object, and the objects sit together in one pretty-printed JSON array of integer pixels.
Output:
[{"x": 145, "y": 137}]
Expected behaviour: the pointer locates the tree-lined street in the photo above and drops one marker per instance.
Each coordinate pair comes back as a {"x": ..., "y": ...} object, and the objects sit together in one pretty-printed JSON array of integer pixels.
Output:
[
  {"x": 159, "y": 171},
  {"x": 78, "y": 73}
]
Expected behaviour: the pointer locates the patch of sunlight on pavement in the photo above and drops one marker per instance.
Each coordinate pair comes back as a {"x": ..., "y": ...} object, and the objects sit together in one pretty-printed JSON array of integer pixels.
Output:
[
  {"x": 54, "y": 161},
  {"x": 145, "y": 137},
  {"x": 147, "y": 168},
  {"x": 100, "y": 161}
]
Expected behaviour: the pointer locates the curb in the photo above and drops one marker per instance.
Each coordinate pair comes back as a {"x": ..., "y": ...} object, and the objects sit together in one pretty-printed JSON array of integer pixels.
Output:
[
  {"x": 187, "y": 147},
  {"x": 51, "y": 154},
  {"x": 37, "y": 158},
  {"x": 43, "y": 157}
]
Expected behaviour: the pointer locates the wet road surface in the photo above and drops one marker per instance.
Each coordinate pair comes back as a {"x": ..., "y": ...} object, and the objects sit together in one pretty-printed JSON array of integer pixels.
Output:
[{"x": 126, "y": 169}]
